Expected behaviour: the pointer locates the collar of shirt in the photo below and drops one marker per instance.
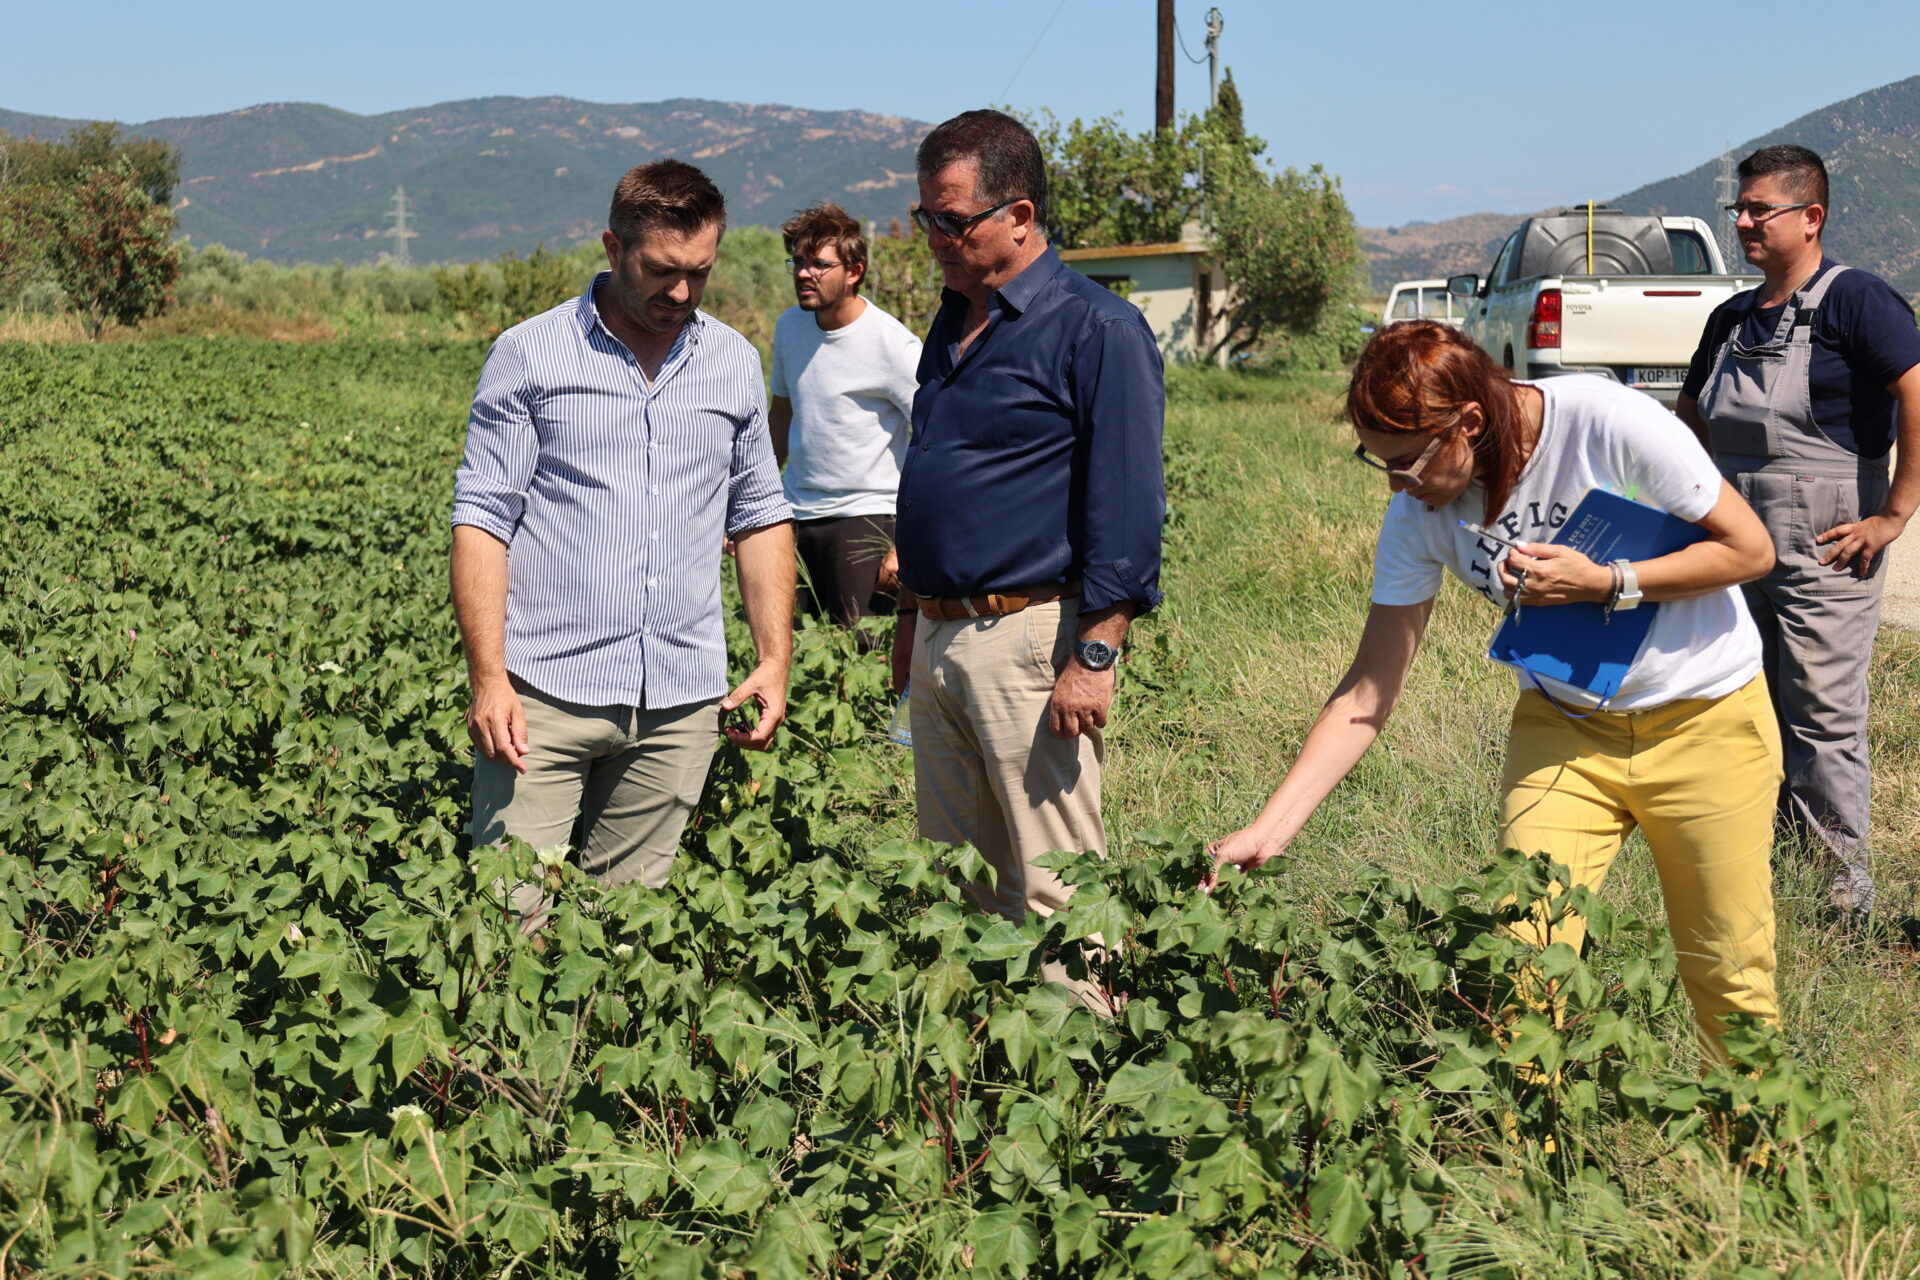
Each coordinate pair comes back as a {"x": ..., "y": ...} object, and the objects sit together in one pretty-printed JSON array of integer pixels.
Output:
[
  {"x": 1016, "y": 295},
  {"x": 587, "y": 313}
]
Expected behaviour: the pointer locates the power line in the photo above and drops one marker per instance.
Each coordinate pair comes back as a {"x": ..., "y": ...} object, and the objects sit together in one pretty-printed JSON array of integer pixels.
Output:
[
  {"x": 1183, "y": 43},
  {"x": 1030, "y": 52}
]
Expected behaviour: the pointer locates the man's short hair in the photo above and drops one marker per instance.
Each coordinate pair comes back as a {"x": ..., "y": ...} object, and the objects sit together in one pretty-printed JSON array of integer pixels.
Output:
[
  {"x": 1011, "y": 166},
  {"x": 1799, "y": 171},
  {"x": 823, "y": 226},
  {"x": 667, "y": 195}
]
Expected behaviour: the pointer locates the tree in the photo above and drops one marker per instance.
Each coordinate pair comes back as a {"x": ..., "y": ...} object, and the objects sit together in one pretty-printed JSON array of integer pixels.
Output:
[
  {"x": 110, "y": 248},
  {"x": 90, "y": 214},
  {"x": 153, "y": 165},
  {"x": 1285, "y": 240},
  {"x": 1109, "y": 187},
  {"x": 902, "y": 277},
  {"x": 1292, "y": 260},
  {"x": 1286, "y": 243}
]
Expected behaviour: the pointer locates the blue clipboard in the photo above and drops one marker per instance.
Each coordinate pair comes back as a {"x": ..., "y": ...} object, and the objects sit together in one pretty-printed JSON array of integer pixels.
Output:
[{"x": 1576, "y": 644}]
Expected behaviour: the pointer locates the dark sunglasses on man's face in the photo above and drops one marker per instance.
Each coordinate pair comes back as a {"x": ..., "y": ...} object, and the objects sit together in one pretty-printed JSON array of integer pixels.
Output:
[{"x": 953, "y": 225}]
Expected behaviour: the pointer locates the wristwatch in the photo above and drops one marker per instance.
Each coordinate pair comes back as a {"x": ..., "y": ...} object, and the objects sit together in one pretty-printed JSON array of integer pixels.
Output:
[
  {"x": 1629, "y": 597},
  {"x": 1095, "y": 655}
]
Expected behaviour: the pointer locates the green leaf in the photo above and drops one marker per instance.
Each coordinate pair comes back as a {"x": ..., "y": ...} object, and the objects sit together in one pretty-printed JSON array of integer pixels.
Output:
[
  {"x": 1094, "y": 911},
  {"x": 766, "y": 1122},
  {"x": 724, "y": 1176},
  {"x": 1004, "y": 1243},
  {"x": 1012, "y": 1028},
  {"x": 1338, "y": 1204},
  {"x": 791, "y": 1245},
  {"x": 412, "y": 1038},
  {"x": 1139, "y": 1083},
  {"x": 1455, "y": 1072}
]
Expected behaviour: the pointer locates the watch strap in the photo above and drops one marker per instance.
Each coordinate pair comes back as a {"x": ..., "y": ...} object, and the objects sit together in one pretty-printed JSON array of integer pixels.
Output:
[{"x": 1629, "y": 597}]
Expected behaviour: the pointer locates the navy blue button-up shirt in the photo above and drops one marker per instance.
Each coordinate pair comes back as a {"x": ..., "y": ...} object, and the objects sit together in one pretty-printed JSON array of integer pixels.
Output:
[{"x": 1036, "y": 455}]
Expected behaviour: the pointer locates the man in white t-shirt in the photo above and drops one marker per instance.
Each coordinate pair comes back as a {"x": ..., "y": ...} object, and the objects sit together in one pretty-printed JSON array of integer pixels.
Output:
[{"x": 843, "y": 384}]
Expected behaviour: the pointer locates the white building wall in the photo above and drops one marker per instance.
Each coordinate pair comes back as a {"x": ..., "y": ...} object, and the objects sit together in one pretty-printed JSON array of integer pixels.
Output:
[{"x": 1163, "y": 289}]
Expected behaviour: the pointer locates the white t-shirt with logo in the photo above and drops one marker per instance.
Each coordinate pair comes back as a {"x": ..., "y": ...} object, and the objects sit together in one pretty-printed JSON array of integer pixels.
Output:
[
  {"x": 1596, "y": 434},
  {"x": 852, "y": 391}
]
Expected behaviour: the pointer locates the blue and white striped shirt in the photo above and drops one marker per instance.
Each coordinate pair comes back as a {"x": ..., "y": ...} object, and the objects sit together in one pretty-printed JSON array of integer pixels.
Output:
[{"x": 611, "y": 495}]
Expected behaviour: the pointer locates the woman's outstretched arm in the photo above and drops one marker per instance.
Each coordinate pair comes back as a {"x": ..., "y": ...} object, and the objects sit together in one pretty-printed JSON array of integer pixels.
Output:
[{"x": 1341, "y": 734}]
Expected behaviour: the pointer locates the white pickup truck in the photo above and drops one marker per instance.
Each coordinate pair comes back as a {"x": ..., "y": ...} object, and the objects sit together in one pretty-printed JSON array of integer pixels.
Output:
[
  {"x": 1423, "y": 300},
  {"x": 1595, "y": 290}
]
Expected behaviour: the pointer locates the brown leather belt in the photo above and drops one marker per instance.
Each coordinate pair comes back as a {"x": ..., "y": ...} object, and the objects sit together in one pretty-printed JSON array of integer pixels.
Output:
[{"x": 995, "y": 603}]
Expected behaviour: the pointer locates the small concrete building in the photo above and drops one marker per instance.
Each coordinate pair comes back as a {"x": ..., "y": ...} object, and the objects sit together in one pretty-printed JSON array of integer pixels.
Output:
[{"x": 1176, "y": 286}]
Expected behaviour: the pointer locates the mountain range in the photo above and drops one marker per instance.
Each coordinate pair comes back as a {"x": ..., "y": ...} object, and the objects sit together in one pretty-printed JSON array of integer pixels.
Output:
[
  {"x": 298, "y": 182},
  {"x": 1871, "y": 143}
]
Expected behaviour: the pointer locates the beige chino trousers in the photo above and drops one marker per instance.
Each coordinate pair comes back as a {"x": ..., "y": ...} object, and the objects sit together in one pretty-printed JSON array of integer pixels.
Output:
[
  {"x": 986, "y": 770},
  {"x": 630, "y": 776}
]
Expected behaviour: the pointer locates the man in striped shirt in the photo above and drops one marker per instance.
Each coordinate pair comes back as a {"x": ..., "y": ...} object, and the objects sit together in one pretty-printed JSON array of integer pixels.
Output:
[{"x": 613, "y": 442}]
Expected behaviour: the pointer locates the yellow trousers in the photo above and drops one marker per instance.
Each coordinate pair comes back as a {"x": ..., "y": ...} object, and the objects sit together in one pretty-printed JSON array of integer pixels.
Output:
[{"x": 1701, "y": 777}]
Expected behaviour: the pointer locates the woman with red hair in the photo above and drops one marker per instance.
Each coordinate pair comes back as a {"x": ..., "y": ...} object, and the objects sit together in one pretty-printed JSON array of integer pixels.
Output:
[{"x": 1686, "y": 749}]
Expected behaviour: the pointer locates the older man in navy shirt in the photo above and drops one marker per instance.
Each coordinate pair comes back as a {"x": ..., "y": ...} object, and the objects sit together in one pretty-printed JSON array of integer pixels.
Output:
[{"x": 1029, "y": 517}]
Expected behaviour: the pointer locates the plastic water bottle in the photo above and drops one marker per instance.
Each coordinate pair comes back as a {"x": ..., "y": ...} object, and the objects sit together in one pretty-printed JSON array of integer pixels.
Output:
[{"x": 900, "y": 728}]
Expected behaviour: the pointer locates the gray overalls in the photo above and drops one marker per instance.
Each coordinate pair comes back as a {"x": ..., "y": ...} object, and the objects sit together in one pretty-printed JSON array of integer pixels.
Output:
[{"x": 1816, "y": 625}]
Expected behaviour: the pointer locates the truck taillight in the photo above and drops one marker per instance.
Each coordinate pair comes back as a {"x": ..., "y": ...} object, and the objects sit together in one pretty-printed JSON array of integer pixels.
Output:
[{"x": 1543, "y": 330}]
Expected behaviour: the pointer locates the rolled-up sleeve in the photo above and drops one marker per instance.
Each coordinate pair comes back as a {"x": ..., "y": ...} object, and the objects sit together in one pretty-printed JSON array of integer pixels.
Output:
[
  {"x": 1120, "y": 397},
  {"x": 490, "y": 489},
  {"x": 755, "y": 496}
]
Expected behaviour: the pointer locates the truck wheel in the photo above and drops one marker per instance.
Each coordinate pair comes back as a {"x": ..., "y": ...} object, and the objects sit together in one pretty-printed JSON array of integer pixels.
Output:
[{"x": 1508, "y": 360}]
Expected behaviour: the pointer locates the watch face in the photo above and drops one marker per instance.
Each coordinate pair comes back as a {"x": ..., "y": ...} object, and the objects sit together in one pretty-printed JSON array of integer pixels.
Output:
[{"x": 1096, "y": 654}]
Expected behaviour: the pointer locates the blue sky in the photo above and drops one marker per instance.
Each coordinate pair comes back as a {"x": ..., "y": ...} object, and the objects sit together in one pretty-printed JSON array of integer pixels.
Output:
[{"x": 1425, "y": 110}]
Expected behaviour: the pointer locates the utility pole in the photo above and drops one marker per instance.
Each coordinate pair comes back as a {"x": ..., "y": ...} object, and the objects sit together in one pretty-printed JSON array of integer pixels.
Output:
[
  {"x": 1726, "y": 188},
  {"x": 400, "y": 232},
  {"x": 1163, "y": 80},
  {"x": 1214, "y": 23}
]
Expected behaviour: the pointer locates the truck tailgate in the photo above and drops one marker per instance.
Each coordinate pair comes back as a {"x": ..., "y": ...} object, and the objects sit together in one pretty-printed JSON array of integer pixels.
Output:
[{"x": 1639, "y": 321}]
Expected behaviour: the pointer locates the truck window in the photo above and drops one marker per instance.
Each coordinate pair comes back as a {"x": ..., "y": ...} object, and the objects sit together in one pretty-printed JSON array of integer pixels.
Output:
[
  {"x": 1500, "y": 273},
  {"x": 1689, "y": 255},
  {"x": 1406, "y": 305},
  {"x": 1433, "y": 302}
]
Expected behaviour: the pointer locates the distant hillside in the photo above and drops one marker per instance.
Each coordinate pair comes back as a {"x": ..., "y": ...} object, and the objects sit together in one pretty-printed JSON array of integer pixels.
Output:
[
  {"x": 1433, "y": 249},
  {"x": 304, "y": 183},
  {"x": 1871, "y": 143}
]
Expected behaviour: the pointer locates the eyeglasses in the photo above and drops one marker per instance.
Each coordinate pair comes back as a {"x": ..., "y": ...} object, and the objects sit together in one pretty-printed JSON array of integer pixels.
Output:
[
  {"x": 819, "y": 266},
  {"x": 954, "y": 225},
  {"x": 1411, "y": 473},
  {"x": 1759, "y": 212}
]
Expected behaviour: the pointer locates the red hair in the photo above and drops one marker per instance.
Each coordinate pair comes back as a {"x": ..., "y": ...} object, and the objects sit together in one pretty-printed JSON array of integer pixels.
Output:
[{"x": 1419, "y": 375}]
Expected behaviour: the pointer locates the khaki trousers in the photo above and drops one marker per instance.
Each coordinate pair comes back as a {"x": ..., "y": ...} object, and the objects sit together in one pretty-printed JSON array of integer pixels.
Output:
[
  {"x": 629, "y": 776},
  {"x": 986, "y": 771},
  {"x": 1700, "y": 777}
]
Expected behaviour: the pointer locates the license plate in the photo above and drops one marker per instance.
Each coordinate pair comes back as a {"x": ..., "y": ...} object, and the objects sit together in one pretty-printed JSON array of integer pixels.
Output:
[{"x": 1658, "y": 376}]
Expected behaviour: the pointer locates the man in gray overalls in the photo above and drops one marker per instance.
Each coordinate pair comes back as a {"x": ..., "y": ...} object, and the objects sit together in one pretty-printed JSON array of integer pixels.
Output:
[{"x": 1796, "y": 390}]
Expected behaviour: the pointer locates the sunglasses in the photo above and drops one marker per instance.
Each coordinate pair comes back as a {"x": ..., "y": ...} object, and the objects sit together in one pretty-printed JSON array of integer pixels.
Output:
[
  {"x": 953, "y": 225},
  {"x": 1411, "y": 473},
  {"x": 1757, "y": 211}
]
